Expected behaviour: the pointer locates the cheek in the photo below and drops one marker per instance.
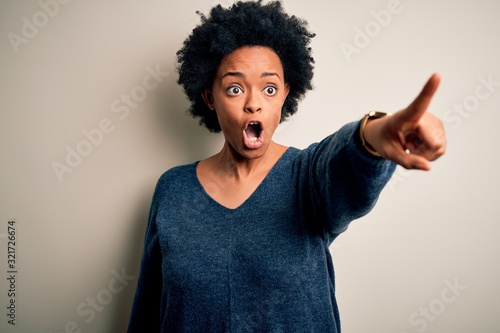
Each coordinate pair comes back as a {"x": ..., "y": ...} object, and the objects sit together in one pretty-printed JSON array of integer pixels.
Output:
[
  {"x": 274, "y": 118},
  {"x": 228, "y": 121},
  {"x": 278, "y": 111}
]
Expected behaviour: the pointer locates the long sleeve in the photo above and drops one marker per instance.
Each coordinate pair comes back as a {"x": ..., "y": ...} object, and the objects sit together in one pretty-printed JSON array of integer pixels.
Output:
[
  {"x": 264, "y": 266},
  {"x": 146, "y": 308},
  {"x": 342, "y": 180}
]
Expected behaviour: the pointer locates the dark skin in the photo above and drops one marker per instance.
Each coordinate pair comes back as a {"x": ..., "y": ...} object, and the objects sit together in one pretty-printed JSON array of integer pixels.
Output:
[
  {"x": 412, "y": 128},
  {"x": 249, "y": 88}
]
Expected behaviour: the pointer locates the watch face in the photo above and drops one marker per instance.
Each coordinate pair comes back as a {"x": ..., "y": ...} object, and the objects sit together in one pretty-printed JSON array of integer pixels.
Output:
[{"x": 377, "y": 114}]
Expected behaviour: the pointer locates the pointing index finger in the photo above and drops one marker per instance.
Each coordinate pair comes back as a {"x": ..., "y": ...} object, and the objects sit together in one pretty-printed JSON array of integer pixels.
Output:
[{"x": 419, "y": 106}]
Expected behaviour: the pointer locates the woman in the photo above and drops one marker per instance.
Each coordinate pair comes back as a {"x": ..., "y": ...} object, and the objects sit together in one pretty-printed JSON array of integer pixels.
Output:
[{"x": 239, "y": 242}]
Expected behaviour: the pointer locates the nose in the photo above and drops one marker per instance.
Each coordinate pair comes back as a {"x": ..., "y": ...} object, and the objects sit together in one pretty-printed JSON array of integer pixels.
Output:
[{"x": 253, "y": 103}]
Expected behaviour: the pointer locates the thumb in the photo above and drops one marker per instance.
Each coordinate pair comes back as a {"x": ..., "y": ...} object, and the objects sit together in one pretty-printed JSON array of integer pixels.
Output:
[{"x": 419, "y": 106}]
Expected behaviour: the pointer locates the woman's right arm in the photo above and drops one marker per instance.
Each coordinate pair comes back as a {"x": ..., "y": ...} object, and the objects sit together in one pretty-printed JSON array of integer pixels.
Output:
[{"x": 146, "y": 306}]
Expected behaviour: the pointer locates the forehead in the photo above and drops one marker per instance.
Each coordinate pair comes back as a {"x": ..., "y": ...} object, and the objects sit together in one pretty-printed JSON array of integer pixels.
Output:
[{"x": 251, "y": 59}]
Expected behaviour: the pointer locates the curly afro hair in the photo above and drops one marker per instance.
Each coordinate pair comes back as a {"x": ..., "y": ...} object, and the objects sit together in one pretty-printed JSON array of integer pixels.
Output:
[{"x": 244, "y": 24}]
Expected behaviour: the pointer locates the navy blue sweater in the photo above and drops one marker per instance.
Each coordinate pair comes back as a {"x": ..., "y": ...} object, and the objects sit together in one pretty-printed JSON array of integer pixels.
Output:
[{"x": 264, "y": 266}]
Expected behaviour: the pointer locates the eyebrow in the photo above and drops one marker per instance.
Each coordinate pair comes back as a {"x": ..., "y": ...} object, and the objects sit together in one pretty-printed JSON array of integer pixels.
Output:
[{"x": 240, "y": 74}]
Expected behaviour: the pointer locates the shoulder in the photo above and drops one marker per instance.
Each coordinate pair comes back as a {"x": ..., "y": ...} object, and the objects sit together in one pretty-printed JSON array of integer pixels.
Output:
[
  {"x": 343, "y": 139},
  {"x": 176, "y": 178},
  {"x": 177, "y": 171}
]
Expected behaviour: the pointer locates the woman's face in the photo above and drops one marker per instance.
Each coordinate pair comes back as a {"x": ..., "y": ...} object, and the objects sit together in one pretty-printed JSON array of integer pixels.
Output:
[{"x": 248, "y": 93}]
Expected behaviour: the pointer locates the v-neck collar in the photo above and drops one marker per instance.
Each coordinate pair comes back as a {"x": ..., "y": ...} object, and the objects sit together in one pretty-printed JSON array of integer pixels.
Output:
[{"x": 250, "y": 197}]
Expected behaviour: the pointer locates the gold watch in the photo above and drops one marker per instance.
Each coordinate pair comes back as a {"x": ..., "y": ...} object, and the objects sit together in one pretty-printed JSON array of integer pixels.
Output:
[{"x": 369, "y": 116}]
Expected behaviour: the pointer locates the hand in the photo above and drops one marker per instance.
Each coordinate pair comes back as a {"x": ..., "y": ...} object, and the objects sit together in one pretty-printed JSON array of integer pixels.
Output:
[{"x": 411, "y": 137}]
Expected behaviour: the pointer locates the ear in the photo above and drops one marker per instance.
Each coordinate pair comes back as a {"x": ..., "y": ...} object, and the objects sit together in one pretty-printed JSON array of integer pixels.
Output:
[
  {"x": 208, "y": 97},
  {"x": 287, "y": 89}
]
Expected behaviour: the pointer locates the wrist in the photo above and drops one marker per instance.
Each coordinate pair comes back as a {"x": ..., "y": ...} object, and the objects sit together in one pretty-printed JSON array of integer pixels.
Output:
[{"x": 370, "y": 125}]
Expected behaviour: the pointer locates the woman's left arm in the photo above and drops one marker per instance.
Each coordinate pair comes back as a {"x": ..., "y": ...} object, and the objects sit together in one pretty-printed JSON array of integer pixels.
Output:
[{"x": 411, "y": 137}]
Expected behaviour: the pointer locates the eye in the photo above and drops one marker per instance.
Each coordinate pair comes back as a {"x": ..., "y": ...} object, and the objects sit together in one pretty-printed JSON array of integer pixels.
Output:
[
  {"x": 270, "y": 90},
  {"x": 234, "y": 90}
]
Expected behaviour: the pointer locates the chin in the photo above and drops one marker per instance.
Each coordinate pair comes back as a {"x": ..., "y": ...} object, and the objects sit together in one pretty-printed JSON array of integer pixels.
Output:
[{"x": 253, "y": 153}]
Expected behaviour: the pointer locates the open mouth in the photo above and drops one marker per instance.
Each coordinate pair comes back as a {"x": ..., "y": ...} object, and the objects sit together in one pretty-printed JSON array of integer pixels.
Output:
[
  {"x": 253, "y": 130},
  {"x": 253, "y": 135}
]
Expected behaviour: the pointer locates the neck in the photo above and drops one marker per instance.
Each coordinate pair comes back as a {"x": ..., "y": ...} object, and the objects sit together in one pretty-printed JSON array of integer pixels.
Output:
[{"x": 234, "y": 165}]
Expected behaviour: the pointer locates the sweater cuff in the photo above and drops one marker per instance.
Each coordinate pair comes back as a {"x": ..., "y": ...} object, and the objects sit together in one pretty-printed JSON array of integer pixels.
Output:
[{"x": 364, "y": 159}]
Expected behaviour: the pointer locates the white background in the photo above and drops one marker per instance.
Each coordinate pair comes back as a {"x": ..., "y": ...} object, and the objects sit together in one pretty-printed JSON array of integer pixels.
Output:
[{"x": 427, "y": 231}]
